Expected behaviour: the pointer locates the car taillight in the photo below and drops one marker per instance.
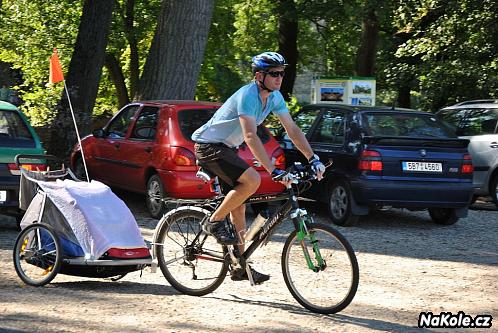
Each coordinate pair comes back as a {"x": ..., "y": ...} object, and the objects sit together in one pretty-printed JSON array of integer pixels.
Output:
[
  {"x": 31, "y": 167},
  {"x": 183, "y": 156},
  {"x": 370, "y": 160},
  {"x": 278, "y": 158},
  {"x": 467, "y": 166}
]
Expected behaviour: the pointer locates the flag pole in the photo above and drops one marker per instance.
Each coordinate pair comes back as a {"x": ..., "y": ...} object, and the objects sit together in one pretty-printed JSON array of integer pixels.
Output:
[
  {"x": 77, "y": 132},
  {"x": 56, "y": 75}
]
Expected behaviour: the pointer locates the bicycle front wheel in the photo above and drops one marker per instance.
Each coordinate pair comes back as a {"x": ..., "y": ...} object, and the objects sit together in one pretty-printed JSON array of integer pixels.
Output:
[
  {"x": 192, "y": 262},
  {"x": 321, "y": 270},
  {"x": 37, "y": 254}
]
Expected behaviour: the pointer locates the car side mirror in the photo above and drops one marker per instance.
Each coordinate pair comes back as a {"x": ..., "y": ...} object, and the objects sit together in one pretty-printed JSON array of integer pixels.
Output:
[{"x": 98, "y": 133}]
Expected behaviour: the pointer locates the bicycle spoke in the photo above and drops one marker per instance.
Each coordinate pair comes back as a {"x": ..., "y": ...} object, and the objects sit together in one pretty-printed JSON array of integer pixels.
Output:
[
  {"x": 174, "y": 260},
  {"x": 37, "y": 255},
  {"x": 201, "y": 267},
  {"x": 327, "y": 282}
]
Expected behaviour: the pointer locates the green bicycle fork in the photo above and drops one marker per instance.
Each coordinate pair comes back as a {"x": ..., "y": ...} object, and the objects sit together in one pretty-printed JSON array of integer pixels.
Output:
[{"x": 302, "y": 234}]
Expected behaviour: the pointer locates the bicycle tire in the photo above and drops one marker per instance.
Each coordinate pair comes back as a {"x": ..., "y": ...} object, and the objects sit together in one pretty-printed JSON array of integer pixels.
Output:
[
  {"x": 206, "y": 262},
  {"x": 37, "y": 254},
  {"x": 329, "y": 290}
]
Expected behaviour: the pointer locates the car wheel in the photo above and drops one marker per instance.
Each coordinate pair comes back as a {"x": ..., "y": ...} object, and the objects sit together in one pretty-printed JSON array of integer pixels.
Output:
[
  {"x": 339, "y": 204},
  {"x": 79, "y": 169},
  {"x": 445, "y": 216},
  {"x": 154, "y": 196},
  {"x": 494, "y": 190}
]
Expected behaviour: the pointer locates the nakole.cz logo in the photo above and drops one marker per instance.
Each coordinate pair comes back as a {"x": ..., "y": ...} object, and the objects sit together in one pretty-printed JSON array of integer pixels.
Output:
[{"x": 450, "y": 320}]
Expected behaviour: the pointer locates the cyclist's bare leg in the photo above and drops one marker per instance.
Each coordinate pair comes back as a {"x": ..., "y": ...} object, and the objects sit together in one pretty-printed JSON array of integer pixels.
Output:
[
  {"x": 248, "y": 183},
  {"x": 238, "y": 218}
]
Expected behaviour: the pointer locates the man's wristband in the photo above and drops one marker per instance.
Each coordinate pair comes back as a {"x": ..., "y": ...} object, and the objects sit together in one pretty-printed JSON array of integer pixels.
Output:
[{"x": 314, "y": 158}]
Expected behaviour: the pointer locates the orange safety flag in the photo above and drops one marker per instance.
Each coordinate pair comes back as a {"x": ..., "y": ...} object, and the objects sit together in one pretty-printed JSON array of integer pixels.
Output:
[{"x": 55, "y": 69}]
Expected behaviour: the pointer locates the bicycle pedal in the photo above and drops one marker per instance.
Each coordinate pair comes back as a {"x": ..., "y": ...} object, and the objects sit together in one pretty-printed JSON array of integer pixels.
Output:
[{"x": 204, "y": 227}]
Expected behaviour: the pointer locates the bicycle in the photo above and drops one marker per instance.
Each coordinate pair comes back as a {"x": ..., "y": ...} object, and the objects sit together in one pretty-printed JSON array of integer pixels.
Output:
[{"x": 319, "y": 265}]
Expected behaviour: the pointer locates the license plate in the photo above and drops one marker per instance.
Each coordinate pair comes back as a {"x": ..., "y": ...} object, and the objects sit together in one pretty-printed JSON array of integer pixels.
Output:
[
  {"x": 3, "y": 196},
  {"x": 422, "y": 166}
]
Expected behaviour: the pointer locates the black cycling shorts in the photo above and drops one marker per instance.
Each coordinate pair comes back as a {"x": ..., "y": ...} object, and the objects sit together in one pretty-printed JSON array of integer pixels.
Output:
[{"x": 222, "y": 161}]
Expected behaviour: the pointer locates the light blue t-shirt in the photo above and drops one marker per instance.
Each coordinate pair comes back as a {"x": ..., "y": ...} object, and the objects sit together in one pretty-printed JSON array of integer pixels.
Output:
[{"x": 225, "y": 127}]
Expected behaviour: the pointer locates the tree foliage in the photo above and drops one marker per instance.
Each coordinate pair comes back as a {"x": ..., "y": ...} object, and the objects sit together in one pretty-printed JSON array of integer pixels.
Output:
[
  {"x": 222, "y": 70},
  {"x": 30, "y": 29},
  {"x": 132, "y": 31},
  {"x": 83, "y": 77},
  {"x": 450, "y": 50},
  {"x": 431, "y": 52}
]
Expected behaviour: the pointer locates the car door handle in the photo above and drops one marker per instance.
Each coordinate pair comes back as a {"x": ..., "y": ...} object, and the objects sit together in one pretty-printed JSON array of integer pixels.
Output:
[
  {"x": 116, "y": 145},
  {"x": 493, "y": 144},
  {"x": 148, "y": 149}
]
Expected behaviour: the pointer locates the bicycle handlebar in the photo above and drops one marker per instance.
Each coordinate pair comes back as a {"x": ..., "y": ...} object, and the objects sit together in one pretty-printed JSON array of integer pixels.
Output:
[
  {"x": 298, "y": 171},
  {"x": 304, "y": 172}
]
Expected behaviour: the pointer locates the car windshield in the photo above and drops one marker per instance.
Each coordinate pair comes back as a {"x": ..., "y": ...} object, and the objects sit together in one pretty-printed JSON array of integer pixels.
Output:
[
  {"x": 406, "y": 125},
  {"x": 471, "y": 121},
  {"x": 13, "y": 131}
]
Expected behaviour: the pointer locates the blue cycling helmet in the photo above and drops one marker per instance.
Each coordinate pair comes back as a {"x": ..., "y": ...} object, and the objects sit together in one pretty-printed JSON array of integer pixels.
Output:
[{"x": 267, "y": 60}]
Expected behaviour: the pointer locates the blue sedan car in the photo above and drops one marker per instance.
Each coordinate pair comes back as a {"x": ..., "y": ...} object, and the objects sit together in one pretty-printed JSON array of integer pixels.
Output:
[{"x": 385, "y": 157}]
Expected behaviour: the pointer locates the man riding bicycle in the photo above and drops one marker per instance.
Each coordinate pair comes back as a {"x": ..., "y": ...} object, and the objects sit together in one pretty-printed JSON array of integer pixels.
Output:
[{"x": 236, "y": 122}]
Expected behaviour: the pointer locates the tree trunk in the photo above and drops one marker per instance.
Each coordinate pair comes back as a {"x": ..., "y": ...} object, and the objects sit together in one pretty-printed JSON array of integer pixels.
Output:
[
  {"x": 177, "y": 51},
  {"x": 132, "y": 40},
  {"x": 112, "y": 63},
  {"x": 118, "y": 79},
  {"x": 403, "y": 100},
  {"x": 365, "y": 59},
  {"x": 287, "y": 43},
  {"x": 83, "y": 77}
]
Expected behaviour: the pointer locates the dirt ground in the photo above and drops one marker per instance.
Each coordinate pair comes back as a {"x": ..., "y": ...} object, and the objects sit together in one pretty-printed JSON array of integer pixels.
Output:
[{"x": 407, "y": 265}]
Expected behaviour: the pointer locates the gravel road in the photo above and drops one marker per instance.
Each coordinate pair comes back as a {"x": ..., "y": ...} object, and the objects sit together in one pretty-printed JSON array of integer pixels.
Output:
[{"x": 407, "y": 265}]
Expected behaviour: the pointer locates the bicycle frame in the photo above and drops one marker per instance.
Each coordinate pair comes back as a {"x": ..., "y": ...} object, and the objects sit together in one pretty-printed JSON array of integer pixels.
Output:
[
  {"x": 290, "y": 207},
  {"x": 262, "y": 236},
  {"x": 266, "y": 230}
]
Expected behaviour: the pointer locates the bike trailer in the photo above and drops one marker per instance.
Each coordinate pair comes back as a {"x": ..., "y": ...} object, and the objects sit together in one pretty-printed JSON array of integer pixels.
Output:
[{"x": 95, "y": 231}]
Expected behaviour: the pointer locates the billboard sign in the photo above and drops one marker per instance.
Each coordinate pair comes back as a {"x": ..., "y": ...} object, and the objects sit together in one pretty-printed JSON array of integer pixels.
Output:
[{"x": 343, "y": 90}]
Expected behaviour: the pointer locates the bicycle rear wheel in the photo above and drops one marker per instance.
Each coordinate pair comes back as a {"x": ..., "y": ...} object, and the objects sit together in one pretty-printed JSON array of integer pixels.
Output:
[
  {"x": 326, "y": 288},
  {"x": 192, "y": 262},
  {"x": 37, "y": 254}
]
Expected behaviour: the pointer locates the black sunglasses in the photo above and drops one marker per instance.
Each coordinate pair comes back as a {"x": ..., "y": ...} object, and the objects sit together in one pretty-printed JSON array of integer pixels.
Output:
[{"x": 276, "y": 73}]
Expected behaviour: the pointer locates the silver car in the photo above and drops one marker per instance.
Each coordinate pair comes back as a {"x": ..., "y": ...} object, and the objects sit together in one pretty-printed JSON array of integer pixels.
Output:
[{"x": 478, "y": 121}]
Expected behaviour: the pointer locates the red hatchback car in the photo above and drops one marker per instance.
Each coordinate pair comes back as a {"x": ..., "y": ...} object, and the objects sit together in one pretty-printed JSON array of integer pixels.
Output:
[{"x": 146, "y": 148}]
